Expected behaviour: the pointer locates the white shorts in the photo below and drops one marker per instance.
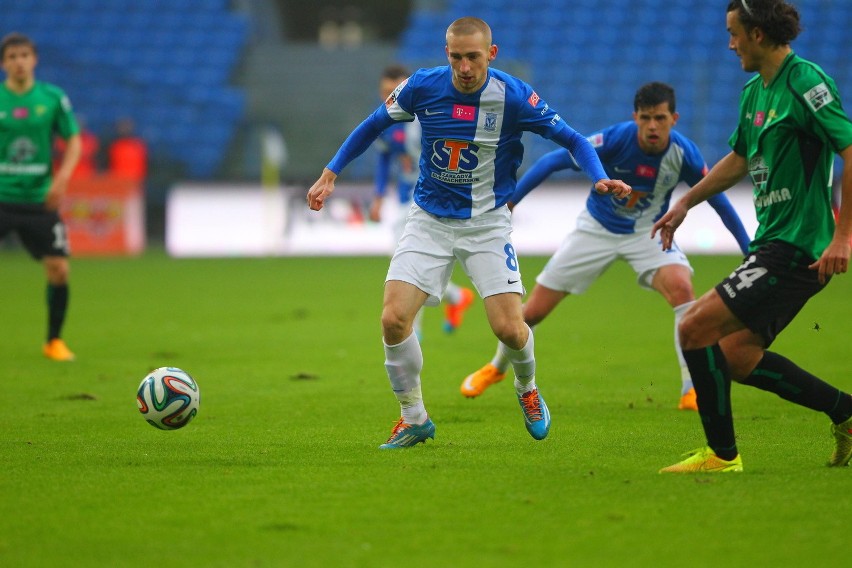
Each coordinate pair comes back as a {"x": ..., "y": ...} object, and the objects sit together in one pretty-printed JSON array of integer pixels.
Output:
[
  {"x": 430, "y": 245},
  {"x": 590, "y": 249}
]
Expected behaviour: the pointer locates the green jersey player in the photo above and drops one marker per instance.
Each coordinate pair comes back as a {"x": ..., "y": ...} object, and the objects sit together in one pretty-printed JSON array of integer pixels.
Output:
[
  {"x": 31, "y": 114},
  {"x": 791, "y": 124}
]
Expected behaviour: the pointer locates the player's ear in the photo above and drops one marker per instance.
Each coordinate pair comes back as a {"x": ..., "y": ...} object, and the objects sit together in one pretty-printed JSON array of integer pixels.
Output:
[{"x": 492, "y": 53}]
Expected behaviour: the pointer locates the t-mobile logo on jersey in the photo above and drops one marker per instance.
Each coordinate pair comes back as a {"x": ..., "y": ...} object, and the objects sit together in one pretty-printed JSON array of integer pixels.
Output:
[{"x": 464, "y": 112}]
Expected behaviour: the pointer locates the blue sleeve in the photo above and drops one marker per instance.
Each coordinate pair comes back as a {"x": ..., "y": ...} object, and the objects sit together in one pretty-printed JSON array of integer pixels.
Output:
[
  {"x": 360, "y": 139},
  {"x": 729, "y": 217},
  {"x": 560, "y": 159},
  {"x": 583, "y": 151},
  {"x": 382, "y": 173}
]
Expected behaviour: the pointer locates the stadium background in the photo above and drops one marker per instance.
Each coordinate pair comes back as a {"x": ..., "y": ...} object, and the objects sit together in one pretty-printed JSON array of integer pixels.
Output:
[{"x": 206, "y": 81}]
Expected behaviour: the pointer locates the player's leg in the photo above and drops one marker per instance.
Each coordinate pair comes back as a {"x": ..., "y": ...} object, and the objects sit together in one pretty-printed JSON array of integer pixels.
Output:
[
  {"x": 44, "y": 235},
  {"x": 674, "y": 283},
  {"x": 539, "y": 304},
  {"x": 486, "y": 254},
  {"x": 505, "y": 315},
  {"x": 789, "y": 289},
  {"x": 57, "y": 269},
  {"x": 518, "y": 345},
  {"x": 580, "y": 260},
  {"x": 670, "y": 274},
  {"x": 777, "y": 374},
  {"x": 765, "y": 293},
  {"x": 418, "y": 272},
  {"x": 701, "y": 329},
  {"x": 404, "y": 361}
]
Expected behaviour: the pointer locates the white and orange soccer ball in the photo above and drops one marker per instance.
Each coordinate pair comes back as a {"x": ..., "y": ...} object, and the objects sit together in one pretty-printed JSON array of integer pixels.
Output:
[{"x": 168, "y": 398}]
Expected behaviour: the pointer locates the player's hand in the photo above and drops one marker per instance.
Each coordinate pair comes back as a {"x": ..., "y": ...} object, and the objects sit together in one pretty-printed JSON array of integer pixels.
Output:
[
  {"x": 614, "y": 186},
  {"x": 55, "y": 194},
  {"x": 668, "y": 224},
  {"x": 510, "y": 205},
  {"x": 834, "y": 260},
  {"x": 321, "y": 189}
]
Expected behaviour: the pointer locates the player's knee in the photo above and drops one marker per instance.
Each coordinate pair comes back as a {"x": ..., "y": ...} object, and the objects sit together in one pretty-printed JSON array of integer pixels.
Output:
[
  {"x": 394, "y": 326},
  {"x": 57, "y": 271},
  {"x": 681, "y": 294},
  {"x": 690, "y": 334},
  {"x": 512, "y": 334}
]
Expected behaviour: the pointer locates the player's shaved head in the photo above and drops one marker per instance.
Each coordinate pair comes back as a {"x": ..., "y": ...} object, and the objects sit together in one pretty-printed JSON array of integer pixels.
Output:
[{"x": 470, "y": 26}]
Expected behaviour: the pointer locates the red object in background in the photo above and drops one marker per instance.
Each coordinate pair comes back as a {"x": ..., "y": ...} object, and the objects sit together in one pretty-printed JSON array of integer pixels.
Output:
[
  {"x": 104, "y": 216},
  {"x": 128, "y": 158}
]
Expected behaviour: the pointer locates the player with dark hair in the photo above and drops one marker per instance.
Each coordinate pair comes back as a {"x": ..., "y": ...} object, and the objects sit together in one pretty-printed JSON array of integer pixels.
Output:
[
  {"x": 791, "y": 123},
  {"x": 653, "y": 158},
  {"x": 399, "y": 148},
  {"x": 31, "y": 113},
  {"x": 472, "y": 117}
]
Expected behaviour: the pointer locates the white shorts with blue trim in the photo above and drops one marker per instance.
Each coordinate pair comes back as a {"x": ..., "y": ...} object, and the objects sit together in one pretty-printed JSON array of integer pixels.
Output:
[
  {"x": 590, "y": 249},
  {"x": 430, "y": 245}
]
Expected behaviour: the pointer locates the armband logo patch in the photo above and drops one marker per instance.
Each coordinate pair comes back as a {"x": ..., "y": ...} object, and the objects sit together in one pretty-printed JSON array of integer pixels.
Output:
[
  {"x": 392, "y": 97},
  {"x": 533, "y": 100},
  {"x": 819, "y": 97},
  {"x": 596, "y": 140}
]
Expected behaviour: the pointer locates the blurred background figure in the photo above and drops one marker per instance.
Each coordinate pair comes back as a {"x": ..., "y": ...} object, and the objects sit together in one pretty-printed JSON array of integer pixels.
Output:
[
  {"x": 127, "y": 155},
  {"x": 273, "y": 155}
]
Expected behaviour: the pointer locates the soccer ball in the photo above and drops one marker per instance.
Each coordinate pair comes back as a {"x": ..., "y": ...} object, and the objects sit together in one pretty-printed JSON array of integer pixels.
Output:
[{"x": 168, "y": 398}]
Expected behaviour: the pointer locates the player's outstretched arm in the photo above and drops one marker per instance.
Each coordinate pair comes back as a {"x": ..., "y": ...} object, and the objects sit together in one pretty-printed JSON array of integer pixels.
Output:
[
  {"x": 835, "y": 258},
  {"x": 354, "y": 145},
  {"x": 551, "y": 162},
  {"x": 59, "y": 183},
  {"x": 321, "y": 189},
  {"x": 585, "y": 156}
]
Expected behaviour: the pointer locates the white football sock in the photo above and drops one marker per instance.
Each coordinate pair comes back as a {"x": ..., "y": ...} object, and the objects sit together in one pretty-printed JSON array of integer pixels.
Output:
[
  {"x": 403, "y": 363},
  {"x": 500, "y": 360},
  {"x": 523, "y": 363}
]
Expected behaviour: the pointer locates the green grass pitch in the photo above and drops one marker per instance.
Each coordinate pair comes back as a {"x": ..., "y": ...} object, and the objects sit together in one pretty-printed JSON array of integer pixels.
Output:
[{"x": 281, "y": 466}]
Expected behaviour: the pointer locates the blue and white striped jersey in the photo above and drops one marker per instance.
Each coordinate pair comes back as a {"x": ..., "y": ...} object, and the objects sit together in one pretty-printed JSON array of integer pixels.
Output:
[
  {"x": 652, "y": 176},
  {"x": 471, "y": 143}
]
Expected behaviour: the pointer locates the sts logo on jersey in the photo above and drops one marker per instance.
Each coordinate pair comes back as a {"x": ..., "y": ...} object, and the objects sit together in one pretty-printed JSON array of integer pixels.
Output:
[{"x": 455, "y": 160}]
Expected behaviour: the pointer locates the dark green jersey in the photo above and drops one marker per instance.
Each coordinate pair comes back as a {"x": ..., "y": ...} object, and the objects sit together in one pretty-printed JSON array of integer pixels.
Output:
[
  {"x": 789, "y": 131},
  {"x": 28, "y": 123}
]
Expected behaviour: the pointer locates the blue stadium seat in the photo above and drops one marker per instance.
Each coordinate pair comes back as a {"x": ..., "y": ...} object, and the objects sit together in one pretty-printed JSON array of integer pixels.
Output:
[{"x": 117, "y": 57}]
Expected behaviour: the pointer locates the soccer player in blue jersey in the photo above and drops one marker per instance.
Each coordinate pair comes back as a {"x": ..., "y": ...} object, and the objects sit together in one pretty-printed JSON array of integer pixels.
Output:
[
  {"x": 472, "y": 118},
  {"x": 653, "y": 158},
  {"x": 399, "y": 150}
]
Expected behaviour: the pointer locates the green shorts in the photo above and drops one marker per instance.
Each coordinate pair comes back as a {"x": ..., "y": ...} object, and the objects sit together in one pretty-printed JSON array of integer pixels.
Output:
[{"x": 41, "y": 231}]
